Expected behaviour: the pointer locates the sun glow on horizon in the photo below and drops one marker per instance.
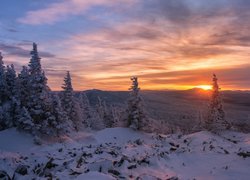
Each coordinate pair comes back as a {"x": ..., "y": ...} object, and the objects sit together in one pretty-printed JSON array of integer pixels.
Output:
[{"x": 204, "y": 87}]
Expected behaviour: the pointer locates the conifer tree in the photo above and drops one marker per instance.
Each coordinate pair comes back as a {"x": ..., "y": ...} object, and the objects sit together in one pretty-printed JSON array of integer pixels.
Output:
[
  {"x": 2, "y": 81},
  {"x": 24, "y": 121},
  {"x": 104, "y": 113},
  {"x": 67, "y": 96},
  {"x": 2, "y": 91},
  {"x": 87, "y": 110},
  {"x": 61, "y": 122},
  {"x": 23, "y": 86},
  {"x": 67, "y": 90},
  {"x": 7, "y": 94},
  {"x": 137, "y": 119},
  {"x": 11, "y": 87},
  {"x": 116, "y": 113},
  {"x": 216, "y": 115},
  {"x": 39, "y": 104},
  {"x": 70, "y": 105}
]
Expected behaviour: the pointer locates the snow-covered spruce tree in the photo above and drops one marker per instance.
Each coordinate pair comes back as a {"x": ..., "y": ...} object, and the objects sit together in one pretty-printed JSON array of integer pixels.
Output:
[
  {"x": 8, "y": 94},
  {"x": 39, "y": 104},
  {"x": 137, "y": 119},
  {"x": 2, "y": 81},
  {"x": 104, "y": 113},
  {"x": 12, "y": 93},
  {"x": 91, "y": 117},
  {"x": 216, "y": 116},
  {"x": 61, "y": 123},
  {"x": 24, "y": 121},
  {"x": 11, "y": 82},
  {"x": 117, "y": 114},
  {"x": 69, "y": 103},
  {"x": 2, "y": 92},
  {"x": 1, "y": 118},
  {"x": 23, "y": 86},
  {"x": 97, "y": 121},
  {"x": 22, "y": 93},
  {"x": 87, "y": 110}
]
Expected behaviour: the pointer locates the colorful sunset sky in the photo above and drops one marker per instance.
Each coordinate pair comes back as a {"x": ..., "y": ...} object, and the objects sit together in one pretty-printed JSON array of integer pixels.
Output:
[{"x": 168, "y": 44}]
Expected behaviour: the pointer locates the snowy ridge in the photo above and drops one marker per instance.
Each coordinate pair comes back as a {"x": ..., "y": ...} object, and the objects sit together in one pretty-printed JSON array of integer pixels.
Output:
[{"x": 121, "y": 153}]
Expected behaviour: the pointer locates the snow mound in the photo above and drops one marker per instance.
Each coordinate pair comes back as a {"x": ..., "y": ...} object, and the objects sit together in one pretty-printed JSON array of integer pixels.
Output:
[
  {"x": 118, "y": 135},
  {"x": 12, "y": 140},
  {"x": 122, "y": 153}
]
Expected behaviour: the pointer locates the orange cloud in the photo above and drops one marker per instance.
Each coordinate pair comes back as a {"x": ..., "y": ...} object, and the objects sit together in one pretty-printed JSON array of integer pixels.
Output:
[
  {"x": 168, "y": 44},
  {"x": 136, "y": 48}
]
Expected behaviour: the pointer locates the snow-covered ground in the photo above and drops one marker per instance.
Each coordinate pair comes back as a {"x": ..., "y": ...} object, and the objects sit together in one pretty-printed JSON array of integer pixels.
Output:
[{"x": 121, "y": 153}]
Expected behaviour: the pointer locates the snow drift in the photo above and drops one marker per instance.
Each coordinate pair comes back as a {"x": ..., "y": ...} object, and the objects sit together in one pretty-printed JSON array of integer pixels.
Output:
[{"x": 117, "y": 153}]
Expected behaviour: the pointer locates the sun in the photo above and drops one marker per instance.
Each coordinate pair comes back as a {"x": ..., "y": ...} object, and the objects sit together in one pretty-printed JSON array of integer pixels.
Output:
[{"x": 204, "y": 87}]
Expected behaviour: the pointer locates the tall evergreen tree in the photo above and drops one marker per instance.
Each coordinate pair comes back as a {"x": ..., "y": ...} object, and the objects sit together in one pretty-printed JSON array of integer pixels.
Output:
[
  {"x": 61, "y": 122},
  {"x": 24, "y": 121},
  {"x": 23, "y": 86},
  {"x": 39, "y": 104},
  {"x": 87, "y": 110},
  {"x": 116, "y": 113},
  {"x": 216, "y": 115},
  {"x": 67, "y": 96},
  {"x": 2, "y": 91},
  {"x": 35, "y": 67},
  {"x": 70, "y": 105},
  {"x": 2, "y": 81},
  {"x": 2, "y": 126},
  {"x": 11, "y": 87},
  {"x": 7, "y": 92},
  {"x": 105, "y": 113},
  {"x": 136, "y": 116},
  {"x": 11, "y": 91},
  {"x": 91, "y": 116}
]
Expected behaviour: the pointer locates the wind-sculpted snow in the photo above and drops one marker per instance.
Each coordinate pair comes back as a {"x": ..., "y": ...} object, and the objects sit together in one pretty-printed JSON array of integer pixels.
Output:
[{"x": 121, "y": 153}]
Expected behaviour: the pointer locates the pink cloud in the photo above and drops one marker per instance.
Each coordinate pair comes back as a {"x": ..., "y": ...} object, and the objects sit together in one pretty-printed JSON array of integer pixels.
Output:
[
  {"x": 111, "y": 54},
  {"x": 57, "y": 11}
]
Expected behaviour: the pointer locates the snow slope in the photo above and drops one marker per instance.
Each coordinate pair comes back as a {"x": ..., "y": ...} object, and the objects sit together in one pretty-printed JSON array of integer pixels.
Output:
[
  {"x": 120, "y": 153},
  {"x": 12, "y": 140}
]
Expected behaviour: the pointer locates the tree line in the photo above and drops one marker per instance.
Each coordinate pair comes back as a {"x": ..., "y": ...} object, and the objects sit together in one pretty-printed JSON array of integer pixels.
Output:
[{"x": 27, "y": 103}]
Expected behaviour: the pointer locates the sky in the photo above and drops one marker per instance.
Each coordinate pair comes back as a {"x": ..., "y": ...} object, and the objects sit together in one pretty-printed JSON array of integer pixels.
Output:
[{"x": 168, "y": 44}]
